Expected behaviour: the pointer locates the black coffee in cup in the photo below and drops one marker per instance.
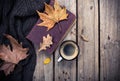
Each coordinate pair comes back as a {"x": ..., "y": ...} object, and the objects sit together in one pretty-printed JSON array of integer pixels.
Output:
[{"x": 69, "y": 50}]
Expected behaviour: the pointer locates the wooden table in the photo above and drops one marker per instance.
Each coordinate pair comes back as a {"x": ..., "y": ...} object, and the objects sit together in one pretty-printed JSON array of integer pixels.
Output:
[{"x": 99, "y": 59}]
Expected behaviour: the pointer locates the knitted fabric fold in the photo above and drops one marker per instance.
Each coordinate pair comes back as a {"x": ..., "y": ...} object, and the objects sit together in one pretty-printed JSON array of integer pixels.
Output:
[{"x": 17, "y": 17}]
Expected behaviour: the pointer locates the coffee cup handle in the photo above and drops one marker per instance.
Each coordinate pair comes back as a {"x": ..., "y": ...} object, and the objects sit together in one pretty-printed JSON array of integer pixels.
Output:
[{"x": 60, "y": 59}]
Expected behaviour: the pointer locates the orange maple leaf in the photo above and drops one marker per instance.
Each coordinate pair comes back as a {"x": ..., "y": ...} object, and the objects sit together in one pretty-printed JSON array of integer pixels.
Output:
[{"x": 52, "y": 15}]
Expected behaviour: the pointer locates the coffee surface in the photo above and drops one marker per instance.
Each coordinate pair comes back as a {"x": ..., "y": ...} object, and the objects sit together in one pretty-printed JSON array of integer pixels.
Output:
[{"x": 69, "y": 49}]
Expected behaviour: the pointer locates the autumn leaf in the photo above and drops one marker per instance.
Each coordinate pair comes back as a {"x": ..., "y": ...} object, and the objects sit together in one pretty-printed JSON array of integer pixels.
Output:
[
  {"x": 52, "y": 15},
  {"x": 84, "y": 38},
  {"x": 12, "y": 57},
  {"x": 47, "y": 61},
  {"x": 47, "y": 41},
  {"x": 7, "y": 67}
]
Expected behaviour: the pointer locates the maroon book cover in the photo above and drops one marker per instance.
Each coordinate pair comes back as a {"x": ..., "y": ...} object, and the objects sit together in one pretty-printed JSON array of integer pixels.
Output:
[{"x": 37, "y": 33}]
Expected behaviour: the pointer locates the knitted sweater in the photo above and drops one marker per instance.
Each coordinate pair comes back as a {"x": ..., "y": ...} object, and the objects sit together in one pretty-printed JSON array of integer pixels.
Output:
[{"x": 17, "y": 18}]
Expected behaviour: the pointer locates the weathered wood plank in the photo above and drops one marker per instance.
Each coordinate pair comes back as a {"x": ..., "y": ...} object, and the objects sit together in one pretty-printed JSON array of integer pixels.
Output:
[
  {"x": 66, "y": 70},
  {"x": 110, "y": 39},
  {"x": 43, "y": 72},
  {"x": 88, "y": 26}
]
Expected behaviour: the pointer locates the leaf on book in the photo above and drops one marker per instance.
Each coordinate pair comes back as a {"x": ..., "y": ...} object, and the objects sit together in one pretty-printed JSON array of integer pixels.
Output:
[
  {"x": 47, "y": 41},
  {"x": 47, "y": 61},
  {"x": 52, "y": 15},
  {"x": 12, "y": 57},
  {"x": 84, "y": 38}
]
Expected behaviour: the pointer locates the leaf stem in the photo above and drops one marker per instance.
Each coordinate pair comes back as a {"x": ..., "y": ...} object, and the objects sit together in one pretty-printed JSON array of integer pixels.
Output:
[{"x": 60, "y": 27}]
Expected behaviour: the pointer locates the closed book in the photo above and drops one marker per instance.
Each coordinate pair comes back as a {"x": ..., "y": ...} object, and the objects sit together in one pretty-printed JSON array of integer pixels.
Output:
[{"x": 58, "y": 32}]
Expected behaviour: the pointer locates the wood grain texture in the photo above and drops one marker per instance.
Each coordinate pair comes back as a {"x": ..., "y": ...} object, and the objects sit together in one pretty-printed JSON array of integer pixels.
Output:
[
  {"x": 88, "y": 26},
  {"x": 66, "y": 70},
  {"x": 43, "y": 72},
  {"x": 110, "y": 40},
  {"x": 88, "y": 59}
]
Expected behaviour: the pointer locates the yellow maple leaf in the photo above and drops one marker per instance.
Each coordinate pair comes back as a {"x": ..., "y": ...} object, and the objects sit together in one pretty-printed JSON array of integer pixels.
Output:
[
  {"x": 52, "y": 15},
  {"x": 47, "y": 60}
]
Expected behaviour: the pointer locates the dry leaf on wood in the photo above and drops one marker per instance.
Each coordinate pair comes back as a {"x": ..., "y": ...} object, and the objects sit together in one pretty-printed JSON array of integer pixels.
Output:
[
  {"x": 84, "y": 38},
  {"x": 52, "y": 15},
  {"x": 47, "y": 61},
  {"x": 47, "y": 41},
  {"x": 12, "y": 57}
]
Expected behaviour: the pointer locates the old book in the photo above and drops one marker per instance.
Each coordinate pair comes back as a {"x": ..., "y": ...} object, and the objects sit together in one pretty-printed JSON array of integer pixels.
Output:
[{"x": 37, "y": 33}]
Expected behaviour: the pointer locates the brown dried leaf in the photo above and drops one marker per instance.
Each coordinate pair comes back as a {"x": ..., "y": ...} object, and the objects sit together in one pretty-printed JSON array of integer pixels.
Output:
[
  {"x": 84, "y": 38},
  {"x": 13, "y": 56},
  {"x": 52, "y": 15},
  {"x": 7, "y": 67},
  {"x": 47, "y": 41}
]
